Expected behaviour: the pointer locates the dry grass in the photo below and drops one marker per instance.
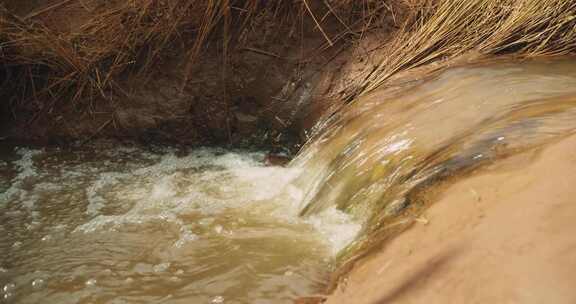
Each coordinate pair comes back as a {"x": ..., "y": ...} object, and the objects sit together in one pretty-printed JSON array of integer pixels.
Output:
[
  {"x": 46, "y": 65},
  {"x": 51, "y": 66},
  {"x": 446, "y": 29},
  {"x": 79, "y": 65}
]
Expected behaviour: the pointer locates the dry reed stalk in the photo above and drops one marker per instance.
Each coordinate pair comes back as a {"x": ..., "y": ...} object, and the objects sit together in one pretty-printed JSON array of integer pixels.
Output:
[
  {"x": 450, "y": 28},
  {"x": 120, "y": 37}
]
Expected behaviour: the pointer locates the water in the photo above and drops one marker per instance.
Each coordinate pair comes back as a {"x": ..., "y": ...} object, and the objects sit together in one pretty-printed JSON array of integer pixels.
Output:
[
  {"x": 378, "y": 157},
  {"x": 126, "y": 225}
]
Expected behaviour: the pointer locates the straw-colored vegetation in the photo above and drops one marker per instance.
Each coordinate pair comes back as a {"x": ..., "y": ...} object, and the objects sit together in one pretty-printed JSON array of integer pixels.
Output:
[
  {"x": 50, "y": 65},
  {"x": 446, "y": 29},
  {"x": 45, "y": 64}
]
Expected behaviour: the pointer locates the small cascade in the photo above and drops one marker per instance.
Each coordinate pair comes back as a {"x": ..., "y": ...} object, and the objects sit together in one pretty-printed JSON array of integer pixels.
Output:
[
  {"x": 375, "y": 157},
  {"x": 123, "y": 224}
]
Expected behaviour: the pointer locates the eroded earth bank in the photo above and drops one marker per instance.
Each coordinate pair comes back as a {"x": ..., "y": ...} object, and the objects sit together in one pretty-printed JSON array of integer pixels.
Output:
[{"x": 400, "y": 151}]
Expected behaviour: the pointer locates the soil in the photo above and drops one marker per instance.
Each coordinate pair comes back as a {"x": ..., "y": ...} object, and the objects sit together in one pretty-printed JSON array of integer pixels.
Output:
[
  {"x": 272, "y": 88},
  {"x": 502, "y": 235}
]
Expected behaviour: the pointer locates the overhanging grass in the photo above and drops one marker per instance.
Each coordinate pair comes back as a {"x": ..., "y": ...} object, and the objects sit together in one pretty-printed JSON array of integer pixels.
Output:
[
  {"x": 51, "y": 68},
  {"x": 445, "y": 29}
]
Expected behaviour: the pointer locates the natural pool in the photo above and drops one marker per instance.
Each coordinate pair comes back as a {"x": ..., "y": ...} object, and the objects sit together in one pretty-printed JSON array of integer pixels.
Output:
[{"x": 157, "y": 225}]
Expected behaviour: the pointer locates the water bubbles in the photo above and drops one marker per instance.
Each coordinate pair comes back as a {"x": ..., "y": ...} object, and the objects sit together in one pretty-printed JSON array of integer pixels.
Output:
[
  {"x": 218, "y": 229},
  {"x": 107, "y": 272},
  {"x": 161, "y": 267},
  {"x": 186, "y": 237},
  {"x": 8, "y": 287},
  {"x": 3, "y": 270},
  {"x": 154, "y": 207},
  {"x": 478, "y": 156},
  {"x": 91, "y": 283},
  {"x": 38, "y": 283},
  {"x": 7, "y": 295},
  {"x": 175, "y": 279},
  {"x": 288, "y": 273},
  {"x": 8, "y": 290},
  {"x": 17, "y": 245},
  {"x": 337, "y": 227}
]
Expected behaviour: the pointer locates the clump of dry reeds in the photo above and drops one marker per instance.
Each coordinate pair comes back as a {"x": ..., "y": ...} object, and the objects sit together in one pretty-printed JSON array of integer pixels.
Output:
[
  {"x": 441, "y": 30},
  {"x": 49, "y": 65}
]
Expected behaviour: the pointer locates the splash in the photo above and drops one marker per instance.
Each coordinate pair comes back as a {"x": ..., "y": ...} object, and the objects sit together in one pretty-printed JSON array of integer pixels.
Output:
[
  {"x": 129, "y": 225},
  {"x": 375, "y": 158}
]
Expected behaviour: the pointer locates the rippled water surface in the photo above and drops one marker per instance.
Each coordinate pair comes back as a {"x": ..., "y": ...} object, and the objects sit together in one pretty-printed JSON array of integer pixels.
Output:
[{"x": 126, "y": 225}]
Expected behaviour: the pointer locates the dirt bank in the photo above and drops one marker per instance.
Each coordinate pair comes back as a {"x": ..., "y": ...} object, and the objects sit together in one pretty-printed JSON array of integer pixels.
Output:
[
  {"x": 503, "y": 235},
  {"x": 201, "y": 72},
  {"x": 191, "y": 72}
]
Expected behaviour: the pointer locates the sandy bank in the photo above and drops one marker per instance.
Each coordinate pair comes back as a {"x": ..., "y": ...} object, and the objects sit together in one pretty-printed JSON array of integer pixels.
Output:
[{"x": 503, "y": 235}]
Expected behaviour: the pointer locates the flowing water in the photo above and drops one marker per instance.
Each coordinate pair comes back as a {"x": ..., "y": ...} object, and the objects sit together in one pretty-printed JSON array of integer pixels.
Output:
[
  {"x": 375, "y": 156},
  {"x": 126, "y": 225},
  {"x": 161, "y": 225}
]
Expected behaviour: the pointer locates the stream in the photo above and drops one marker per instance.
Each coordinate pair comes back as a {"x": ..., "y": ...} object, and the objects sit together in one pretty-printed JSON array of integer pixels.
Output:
[{"x": 131, "y": 224}]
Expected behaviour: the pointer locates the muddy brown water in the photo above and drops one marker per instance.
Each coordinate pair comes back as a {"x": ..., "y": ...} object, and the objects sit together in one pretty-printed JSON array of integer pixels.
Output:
[{"x": 127, "y": 225}]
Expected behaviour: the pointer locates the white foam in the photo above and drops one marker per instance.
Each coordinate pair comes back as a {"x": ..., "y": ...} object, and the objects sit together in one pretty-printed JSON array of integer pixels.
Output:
[
  {"x": 166, "y": 187},
  {"x": 265, "y": 182},
  {"x": 95, "y": 201},
  {"x": 47, "y": 187},
  {"x": 26, "y": 170},
  {"x": 337, "y": 227}
]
